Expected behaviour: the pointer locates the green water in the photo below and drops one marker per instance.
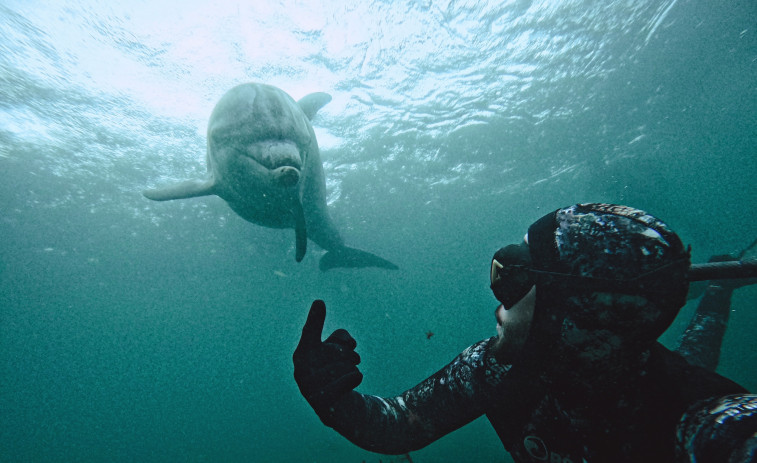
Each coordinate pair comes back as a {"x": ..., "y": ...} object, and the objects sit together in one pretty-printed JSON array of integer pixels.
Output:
[{"x": 137, "y": 331}]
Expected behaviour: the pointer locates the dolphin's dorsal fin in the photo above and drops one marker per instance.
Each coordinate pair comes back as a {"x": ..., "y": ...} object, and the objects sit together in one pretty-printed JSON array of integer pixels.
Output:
[
  {"x": 181, "y": 190},
  {"x": 311, "y": 103}
]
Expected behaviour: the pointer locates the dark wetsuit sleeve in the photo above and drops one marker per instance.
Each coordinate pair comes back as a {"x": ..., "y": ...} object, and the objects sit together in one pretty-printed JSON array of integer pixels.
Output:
[
  {"x": 719, "y": 430},
  {"x": 447, "y": 400},
  {"x": 700, "y": 343}
]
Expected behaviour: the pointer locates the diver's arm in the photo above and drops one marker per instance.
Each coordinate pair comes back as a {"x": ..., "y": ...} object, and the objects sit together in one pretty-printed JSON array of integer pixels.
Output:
[
  {"x": 326, "y": 373},
  {"x": 719, "y": 430},
  {"x": 700, "y": 342},
  {"x": 447, "y": 400}
]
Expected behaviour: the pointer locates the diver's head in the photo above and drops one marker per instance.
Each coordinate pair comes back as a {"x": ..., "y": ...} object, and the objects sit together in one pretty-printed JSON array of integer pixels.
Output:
[{"x": 595, "y": 267}]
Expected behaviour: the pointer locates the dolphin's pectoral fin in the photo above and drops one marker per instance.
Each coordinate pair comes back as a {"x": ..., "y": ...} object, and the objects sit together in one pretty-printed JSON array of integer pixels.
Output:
[
  {"x": 311, "y": 103},
  {"x": 188, "y": 189},
  {"x": 300, "y": 232},
  {"x": 351, "y": 257}
]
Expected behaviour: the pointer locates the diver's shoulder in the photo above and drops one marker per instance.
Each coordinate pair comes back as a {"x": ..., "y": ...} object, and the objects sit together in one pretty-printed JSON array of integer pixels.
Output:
[{"x": 692, "y": 381}]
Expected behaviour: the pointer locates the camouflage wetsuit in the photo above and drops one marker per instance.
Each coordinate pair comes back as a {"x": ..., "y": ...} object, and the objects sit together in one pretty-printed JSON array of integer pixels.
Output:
[{"x": 669, "y": 409}]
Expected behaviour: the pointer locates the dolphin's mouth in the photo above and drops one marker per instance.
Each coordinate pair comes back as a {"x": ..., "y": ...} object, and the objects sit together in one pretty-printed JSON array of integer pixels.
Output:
[
  {"x": 275, "y": 154},
  {"x": 286, "y": 176}
]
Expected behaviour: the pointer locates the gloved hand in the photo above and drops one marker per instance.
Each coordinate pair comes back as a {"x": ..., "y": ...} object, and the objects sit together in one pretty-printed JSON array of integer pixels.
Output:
[{"x": 325, "y": 371}]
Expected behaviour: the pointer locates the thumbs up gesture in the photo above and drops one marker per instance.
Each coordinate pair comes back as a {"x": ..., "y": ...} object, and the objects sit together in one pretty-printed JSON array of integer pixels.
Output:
[{"x": 325, "y": 370}]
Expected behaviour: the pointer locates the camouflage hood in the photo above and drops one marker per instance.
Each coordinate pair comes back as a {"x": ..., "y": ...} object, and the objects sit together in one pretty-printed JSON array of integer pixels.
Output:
[{"x": 609, "y": 281}]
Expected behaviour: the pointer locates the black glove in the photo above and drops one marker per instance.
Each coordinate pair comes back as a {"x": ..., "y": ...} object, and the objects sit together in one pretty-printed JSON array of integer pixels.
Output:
[{"x": 325, "y": 371}]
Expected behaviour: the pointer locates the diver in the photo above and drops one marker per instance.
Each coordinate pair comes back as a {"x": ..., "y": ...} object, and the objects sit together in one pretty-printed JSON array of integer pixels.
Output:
[{"x": 575, "y": 372}]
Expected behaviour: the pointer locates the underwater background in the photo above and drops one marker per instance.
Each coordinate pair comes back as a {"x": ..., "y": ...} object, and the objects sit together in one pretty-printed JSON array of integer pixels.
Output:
[{"x": 139, "y": 331}]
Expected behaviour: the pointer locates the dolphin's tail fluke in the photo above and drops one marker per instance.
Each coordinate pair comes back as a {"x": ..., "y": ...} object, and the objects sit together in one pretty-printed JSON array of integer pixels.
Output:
[{"x": 352, "y": 258}]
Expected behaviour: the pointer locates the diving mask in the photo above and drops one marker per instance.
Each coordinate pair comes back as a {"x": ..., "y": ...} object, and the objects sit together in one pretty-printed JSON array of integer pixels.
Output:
[{"x": 511, "y": 277}]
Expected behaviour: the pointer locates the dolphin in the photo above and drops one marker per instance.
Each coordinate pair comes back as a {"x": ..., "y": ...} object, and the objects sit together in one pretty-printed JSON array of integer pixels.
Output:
[{"x": 263, "y": 160}]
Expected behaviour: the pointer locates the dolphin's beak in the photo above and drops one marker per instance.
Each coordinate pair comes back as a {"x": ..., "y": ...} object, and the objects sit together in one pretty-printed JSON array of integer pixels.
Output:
[
  {"x": 274, "y": 154},
  {"x": 286, "y": 176}
]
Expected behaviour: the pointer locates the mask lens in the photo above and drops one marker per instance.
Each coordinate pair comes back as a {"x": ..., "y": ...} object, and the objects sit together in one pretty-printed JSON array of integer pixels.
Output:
[
  {"x": 494, "y": 276},
  {"x": 510, "y": 277}
]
